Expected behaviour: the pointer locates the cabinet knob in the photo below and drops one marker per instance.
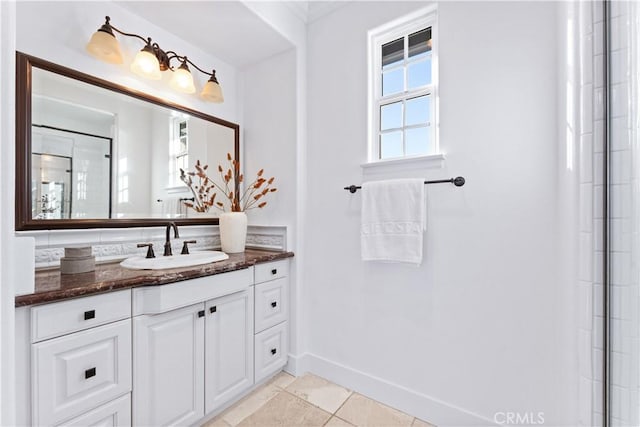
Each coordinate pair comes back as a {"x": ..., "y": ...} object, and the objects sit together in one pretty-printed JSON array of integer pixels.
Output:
[
  {"x": 274, "y": 351},
  {"x": 89, "y": 373},
  {"x": 213, "y": 309},
  {"x": 274, "y": 271},
  {"x": 274, "y": 304},
  {"x": 201, "y": 313},
  {"x": 88, "y": 315}
]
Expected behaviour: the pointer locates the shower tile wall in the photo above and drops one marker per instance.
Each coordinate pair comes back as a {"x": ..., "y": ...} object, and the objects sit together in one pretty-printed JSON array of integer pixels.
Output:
[{"x": 624, "y": 212}]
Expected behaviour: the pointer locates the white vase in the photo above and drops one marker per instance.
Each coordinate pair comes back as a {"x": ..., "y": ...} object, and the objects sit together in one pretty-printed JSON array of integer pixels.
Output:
[{"x": 233, "y": 231}]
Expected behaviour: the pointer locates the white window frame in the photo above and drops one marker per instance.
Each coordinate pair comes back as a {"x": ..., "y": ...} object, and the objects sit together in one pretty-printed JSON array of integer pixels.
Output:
[
  {"x": 174, "y": 154},
  {"x": 377, "y": 37}
]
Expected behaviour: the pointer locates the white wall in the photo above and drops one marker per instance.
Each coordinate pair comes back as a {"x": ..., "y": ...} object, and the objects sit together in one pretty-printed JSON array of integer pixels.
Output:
[
  {"x": 271, "y": 119},
  {"x": 7, "y": 243},
  {"x": 269, "y": 134},
  {"x": 478, "y": 327}
]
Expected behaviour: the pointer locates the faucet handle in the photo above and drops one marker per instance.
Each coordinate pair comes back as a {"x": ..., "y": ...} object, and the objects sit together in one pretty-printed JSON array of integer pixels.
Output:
[
  {"x": 149, "y": 247},
  {"x": 185, "y": 247}
]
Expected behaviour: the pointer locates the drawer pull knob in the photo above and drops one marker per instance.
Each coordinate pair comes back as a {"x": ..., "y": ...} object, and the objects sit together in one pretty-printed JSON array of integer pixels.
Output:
[
  {"x": 274, "y": 351},
  {"x": 91, "y": 314},
  {"x": 201, "y": 313},
  {"x": 89, "y": 373},
  {"x": 213, "y": 309},
  {"x": 274, "y": 304},
  {"x": 274, "y": 271}
]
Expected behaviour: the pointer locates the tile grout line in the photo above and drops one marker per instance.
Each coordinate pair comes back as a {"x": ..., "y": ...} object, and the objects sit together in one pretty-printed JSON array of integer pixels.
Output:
[
  {"x": 316, "y": 406},
  {"x": 229, "y": 409},
  {"x": 340, "y": 407},
  {"x": 351, "y": 393}
]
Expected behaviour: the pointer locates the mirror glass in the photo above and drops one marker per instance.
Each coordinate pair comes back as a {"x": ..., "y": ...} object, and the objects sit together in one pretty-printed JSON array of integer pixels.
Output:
[{"x": 97, "y": 153}]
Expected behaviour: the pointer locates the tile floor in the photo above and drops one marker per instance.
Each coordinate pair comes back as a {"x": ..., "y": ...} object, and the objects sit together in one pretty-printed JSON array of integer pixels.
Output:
[{"x": 311, "y": 401}]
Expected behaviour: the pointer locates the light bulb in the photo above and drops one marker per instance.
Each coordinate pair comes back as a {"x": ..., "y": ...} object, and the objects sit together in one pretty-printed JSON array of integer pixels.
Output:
[
  {"x": 182, "y": 80},
  {"x": 146, "y": 64}
]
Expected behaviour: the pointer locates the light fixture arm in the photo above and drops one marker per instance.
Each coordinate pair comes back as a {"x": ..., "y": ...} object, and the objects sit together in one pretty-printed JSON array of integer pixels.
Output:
[
  {"x": 108, "y": 25},
  {"x": 182, "y": 58}
]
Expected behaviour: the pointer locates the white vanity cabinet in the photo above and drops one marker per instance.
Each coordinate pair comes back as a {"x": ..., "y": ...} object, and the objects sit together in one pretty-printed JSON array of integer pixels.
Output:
[
  {"x": 81, "y": 361},
  {"x": 271, "y": 314},
  {"x": 189, "y": 361},
  {"x": 161, "y": 355}
]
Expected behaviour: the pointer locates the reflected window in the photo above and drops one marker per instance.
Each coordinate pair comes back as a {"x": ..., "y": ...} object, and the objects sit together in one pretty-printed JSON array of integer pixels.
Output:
[
  {"x": 403, "y": 88},
  {"x": 178, "y": 148}
]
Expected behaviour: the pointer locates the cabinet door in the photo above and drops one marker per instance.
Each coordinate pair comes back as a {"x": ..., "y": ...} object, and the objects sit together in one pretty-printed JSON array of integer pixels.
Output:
[
  {"x": 168, "y": 381},
  {"x": 77, "y": 372},
  {"x": 229, "y": 347}
]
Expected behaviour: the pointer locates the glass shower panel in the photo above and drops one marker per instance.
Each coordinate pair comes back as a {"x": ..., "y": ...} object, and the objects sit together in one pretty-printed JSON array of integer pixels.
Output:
[{"x": 623, "y": 229}]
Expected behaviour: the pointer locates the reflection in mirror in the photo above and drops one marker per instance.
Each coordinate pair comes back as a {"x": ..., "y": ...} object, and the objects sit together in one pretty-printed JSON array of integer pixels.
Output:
[
  {"x": 97, "y": 153},
  {"x": 69, "y": 174}
]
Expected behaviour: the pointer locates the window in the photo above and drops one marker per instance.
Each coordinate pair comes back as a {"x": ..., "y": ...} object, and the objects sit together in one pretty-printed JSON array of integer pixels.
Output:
[
  {"x": 402, "y": 92},
  {"x": 178, "y": 149}
]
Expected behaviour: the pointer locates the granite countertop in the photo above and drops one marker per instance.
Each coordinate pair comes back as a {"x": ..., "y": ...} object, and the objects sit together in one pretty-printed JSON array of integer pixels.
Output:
[{"x": 52, "y": 286}]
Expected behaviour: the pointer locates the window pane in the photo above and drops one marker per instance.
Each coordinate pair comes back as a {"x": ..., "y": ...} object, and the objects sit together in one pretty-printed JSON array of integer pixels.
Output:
[
  {"x": 391, "y": 116},
  {"x": 391, "y": 145},
  {"x": 418, "y": 141},
  {"x": 419, "y": 74},
  {"x": 418, "y": 111},
  {"x": 420, "y": 42},
  {"x": 393, "y": 82},
  {"x": 392, "y": 52}
]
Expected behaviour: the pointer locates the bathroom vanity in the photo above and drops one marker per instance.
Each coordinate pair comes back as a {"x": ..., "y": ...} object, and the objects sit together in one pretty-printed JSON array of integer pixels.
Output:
[{"x": 138, "y": 347}]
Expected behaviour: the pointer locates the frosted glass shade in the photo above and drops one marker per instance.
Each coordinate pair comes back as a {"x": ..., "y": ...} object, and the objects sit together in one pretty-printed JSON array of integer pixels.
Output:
[
  {"x": 182, "y": 81},
  {"x": 212, "y": 92},
  {"x": 146, "y": 65},
  {"x": 105, "y": 47}
]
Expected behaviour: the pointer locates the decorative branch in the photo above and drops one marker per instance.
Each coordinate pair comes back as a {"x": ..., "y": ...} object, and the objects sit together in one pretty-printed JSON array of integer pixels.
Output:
[{"x": 205, "y": 190}]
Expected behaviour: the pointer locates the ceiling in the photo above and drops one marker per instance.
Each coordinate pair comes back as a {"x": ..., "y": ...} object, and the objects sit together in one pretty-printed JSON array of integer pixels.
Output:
[
  {"x": 309, "y": 11},
  {"x": 225, "y": 29}
]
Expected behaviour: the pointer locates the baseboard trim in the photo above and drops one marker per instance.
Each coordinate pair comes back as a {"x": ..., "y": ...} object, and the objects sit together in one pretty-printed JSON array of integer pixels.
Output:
[
  {"x": 410, "y": 401},
  {"x": 296, "y": 365}
]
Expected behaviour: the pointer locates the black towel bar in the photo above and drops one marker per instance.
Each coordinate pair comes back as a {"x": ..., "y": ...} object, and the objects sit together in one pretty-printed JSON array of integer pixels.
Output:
[{"x": 457, "y": 181}]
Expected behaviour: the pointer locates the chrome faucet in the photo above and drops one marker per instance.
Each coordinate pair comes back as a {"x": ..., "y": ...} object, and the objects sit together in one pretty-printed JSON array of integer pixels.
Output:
[{"x": 167, "y": 243}]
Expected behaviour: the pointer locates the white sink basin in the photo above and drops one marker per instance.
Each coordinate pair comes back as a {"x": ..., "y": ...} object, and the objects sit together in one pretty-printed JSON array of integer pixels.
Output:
[{"x": 174, "y": 261}]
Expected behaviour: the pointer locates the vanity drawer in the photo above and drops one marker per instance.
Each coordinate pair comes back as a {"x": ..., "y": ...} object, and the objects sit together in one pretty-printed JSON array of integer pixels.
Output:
[
  {"x": 59, "y": 318},
  {"x": 271, "y": 270},
  {"x": 271, "y": 303},
  {"x": 112, "y": 414},
  {"x": 77, "y": 372},
  {"x": 271, "y": 347}
]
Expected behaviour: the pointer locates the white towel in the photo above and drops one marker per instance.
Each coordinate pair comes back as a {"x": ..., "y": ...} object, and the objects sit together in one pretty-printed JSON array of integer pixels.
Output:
[{"x": 393, "y": 220}]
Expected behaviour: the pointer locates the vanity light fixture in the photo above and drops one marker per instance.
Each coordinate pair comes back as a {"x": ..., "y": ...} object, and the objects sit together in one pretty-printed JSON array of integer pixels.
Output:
[{"x": 151, "y": 61}]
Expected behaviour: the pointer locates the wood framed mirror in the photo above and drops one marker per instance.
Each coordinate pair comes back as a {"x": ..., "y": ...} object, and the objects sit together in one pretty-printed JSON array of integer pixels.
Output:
[{"x": 93, "y": 154}]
